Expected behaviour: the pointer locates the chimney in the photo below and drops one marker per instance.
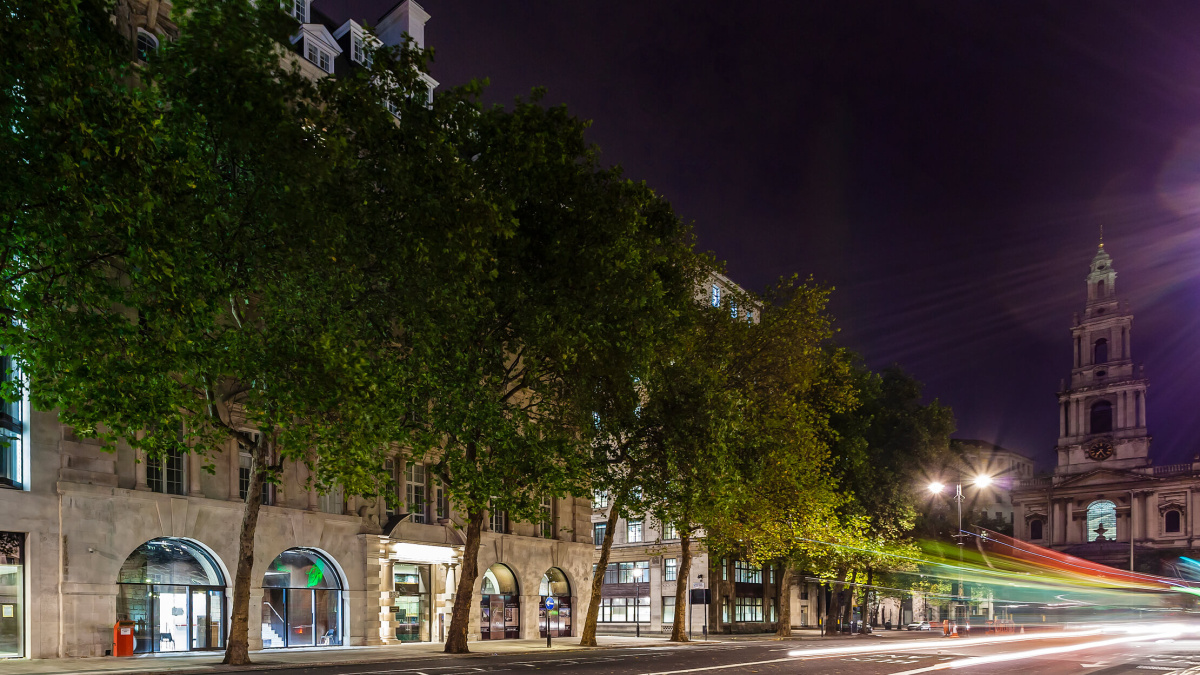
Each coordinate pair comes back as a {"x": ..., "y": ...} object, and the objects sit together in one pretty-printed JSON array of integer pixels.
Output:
[{"x": 406, "y": 17}]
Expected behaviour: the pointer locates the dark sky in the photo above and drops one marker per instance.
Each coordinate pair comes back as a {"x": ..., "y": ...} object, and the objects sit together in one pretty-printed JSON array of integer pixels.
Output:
[{"x": 946, "y": 166}]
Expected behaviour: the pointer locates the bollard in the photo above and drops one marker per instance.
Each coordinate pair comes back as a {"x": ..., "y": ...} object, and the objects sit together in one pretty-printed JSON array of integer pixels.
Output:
[{"x": 547, "y": 639}]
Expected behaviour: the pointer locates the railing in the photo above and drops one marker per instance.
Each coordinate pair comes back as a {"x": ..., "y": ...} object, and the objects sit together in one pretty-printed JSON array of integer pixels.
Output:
[
  {"x": 1172, "y": 469},
  {"x": 1036, "y": 482}
]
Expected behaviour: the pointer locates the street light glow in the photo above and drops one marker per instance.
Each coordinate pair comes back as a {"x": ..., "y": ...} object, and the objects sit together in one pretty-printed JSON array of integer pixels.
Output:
[
  {"x": 983, "y": 481},
  {"x": 936, "y": 487}
]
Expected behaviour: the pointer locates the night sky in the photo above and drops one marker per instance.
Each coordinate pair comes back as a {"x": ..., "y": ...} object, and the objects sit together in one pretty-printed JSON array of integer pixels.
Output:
[{"x": 946, "y": 166}]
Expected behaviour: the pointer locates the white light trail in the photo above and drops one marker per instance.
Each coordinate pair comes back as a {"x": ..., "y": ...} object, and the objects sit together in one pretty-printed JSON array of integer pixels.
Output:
[
  {"x": 1034, "y": 653},
  {"x": 934, "y": 643}
]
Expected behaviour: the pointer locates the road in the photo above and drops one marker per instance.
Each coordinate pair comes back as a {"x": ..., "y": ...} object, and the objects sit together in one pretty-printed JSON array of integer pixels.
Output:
[{"x": 1090, "y": 653}]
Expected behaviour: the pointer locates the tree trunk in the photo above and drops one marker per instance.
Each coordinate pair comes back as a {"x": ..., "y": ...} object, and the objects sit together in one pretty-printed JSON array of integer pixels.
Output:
[
  {"x": 848, "y": 606},
  {"x": 464, "y": 594},
  {"x": 588, "y": 637},
  {"x": 867, "y": 605},
  {"x": 237, "y": 647},
  {"x": 822, "y": 620},
  {"x": 678, "y": 631},
  {"x": 784, "y": 629}
]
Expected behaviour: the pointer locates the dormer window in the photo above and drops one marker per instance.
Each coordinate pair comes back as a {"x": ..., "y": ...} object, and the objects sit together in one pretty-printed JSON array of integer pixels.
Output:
[
  {"x": 298, "y": 9},
  {"x": 146, "y": 45},
  {"x": 322, "y": 58},
  {"x": 357, "y": 53}
]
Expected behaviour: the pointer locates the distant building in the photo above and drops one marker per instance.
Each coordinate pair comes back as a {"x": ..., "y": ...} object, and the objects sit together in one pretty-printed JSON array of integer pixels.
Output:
[{"x": 1107, "y": 501}]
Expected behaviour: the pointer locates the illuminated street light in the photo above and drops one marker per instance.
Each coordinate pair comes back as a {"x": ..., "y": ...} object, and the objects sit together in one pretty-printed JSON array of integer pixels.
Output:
[
  {"x": 983, "y": 481},
  {"x": 936, "y": 488}
]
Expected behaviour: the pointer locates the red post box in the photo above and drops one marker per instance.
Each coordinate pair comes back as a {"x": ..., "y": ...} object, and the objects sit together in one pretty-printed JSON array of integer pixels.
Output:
[{"x": 123, "y": 638}]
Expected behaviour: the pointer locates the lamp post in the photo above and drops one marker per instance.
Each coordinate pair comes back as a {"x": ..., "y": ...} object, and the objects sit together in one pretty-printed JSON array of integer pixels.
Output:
[
  {"x": 982, "y": 481},
  {"x": 637, "y": 601}
]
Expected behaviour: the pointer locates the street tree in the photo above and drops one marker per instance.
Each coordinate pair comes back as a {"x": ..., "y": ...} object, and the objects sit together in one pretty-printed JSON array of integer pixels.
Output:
[
  {"x": 278, "y": 278},
  {"x": 586, "y": 273}
]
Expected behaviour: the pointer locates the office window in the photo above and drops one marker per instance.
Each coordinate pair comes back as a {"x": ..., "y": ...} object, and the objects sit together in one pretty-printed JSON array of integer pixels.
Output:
[
  {"x": 771, "y": 575},
  {"x": 498, "y": 522},
  {"x": 611, "y": 573},
  {"x": 628, "y": 569},
  {"x": 357, "y": 53},
  {"x": 165, "y": 474},
  {"x": 332, "y": 501},
  {"x": 716, "y": 295},
  {"x": 298, "y": 9},
  {"x": 12, "y": 432},
  {"x": 442, "y": 505},
  {"x": 746, "y": 573},
  {"x": 669, "y": 531},
  {"x": 414, "y": 481},
  {"x": 748, "y": 609},
  {"x": 633, "y": 531},
  {"x": 733, "y": 310},
  {"x": 598, "y": 532},
  {"x": 668, "y": 610},
  {"x": 600, "y": 499},
  {"x": 624, "y": 610},
  {"x": 546, "y": 527},
  {"x": 724, "y": 569},
  {"x": 670, "y": 569},
  {"x": 245, "y": 464},
  {"x": 724, "y": 610}
]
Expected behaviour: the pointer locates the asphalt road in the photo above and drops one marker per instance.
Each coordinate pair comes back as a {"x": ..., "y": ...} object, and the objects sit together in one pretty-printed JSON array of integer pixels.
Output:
[{"x": 1090, "y": 654}]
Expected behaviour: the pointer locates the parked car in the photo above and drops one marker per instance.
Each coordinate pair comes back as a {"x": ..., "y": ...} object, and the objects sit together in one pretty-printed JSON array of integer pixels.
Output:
[{"x": 919, "y": 625}]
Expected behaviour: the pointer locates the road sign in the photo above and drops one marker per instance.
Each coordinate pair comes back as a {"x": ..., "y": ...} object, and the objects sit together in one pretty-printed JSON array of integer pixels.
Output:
[{"x": 550, "y": 603}]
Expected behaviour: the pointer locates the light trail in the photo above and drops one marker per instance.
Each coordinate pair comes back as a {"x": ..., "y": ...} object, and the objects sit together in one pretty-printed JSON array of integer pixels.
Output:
[{"x": 1034, "y": 653}]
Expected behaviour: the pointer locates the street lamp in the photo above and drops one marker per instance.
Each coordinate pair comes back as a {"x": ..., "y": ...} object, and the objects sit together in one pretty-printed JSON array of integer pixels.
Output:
[
  {"x": 637, "y": 601},
  {"x": 982, "y": 481}
]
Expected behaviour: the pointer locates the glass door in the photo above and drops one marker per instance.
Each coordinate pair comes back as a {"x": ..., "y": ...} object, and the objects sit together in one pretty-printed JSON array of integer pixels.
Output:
[
  {"x": 206, "y": 613},
  {"x": 171, "y": 605}
]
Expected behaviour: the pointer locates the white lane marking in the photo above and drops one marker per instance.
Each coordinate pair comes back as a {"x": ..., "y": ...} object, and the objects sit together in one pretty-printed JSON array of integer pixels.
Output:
[
  {"x": 1028, "y": 654},
  {"x": 731, "y": 665}
]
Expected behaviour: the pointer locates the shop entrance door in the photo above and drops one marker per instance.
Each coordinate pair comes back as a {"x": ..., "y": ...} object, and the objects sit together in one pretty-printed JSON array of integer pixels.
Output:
[{"x": 206, "y": 615}]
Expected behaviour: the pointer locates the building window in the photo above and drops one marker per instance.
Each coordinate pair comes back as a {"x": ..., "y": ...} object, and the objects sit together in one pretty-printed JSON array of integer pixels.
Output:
[
  {"x": 298, "y": 9},
  {"x": 668, "y": 610},
  {"x": 633, "y": 572},
  {"x": 1102, "y": 521},
  {"x": 733, "y": 310},
  {"x": 611, "y": 573},
  {"x": 724, "y": 610},
  {"x": 669, "y": 531},
  {"x": 1101, "y": 417},
  {"x": 746, "y": 573},
  {"x": 498, "y": 522},
  {"x": 546, "y": 526},
  {"x": 332, "y": 501},
  {"x": 1100, "y": 351},
  {"x": 12, "y": 431},
  {"x": 245, "y": 464},
  {"x": 598, "y": 532},
  {"x": 724, "y": 569},
  {"x": 1173, "y": 521},
  {"x": 748, "y": 609},
  {"x": 749, "y": 316},
  {"x": 319, "y": 56},
  {"x": 442, "y": 506},
  {"x": 716, "y": 295},
  {"x": 600, "y": 499},
  {"x": 770, "y": 575},
  {"x": 357, "y": 53},
  {"x": 670, "y": 569},
  {"x": 622, "y": 610},
  {"x": 633, "y": 531},
  {"x": 165, "y": 474},
  {"x": 414, "y": 479},
  {"x": 146, "y": 44}
]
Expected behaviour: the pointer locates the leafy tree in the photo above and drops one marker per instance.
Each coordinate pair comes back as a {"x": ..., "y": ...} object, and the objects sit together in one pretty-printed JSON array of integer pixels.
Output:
[
  {"x": 279, "y": 278},
  {"x": 587, "y": 271}
]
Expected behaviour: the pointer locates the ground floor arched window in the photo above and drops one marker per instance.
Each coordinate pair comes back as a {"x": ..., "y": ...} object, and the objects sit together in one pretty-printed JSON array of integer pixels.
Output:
[
  {"x": 302, "y": 602},
  {"x": 174, "y": 593},
  {"x": 500, "y": 604},
  {"x": 557, "y": 618}
]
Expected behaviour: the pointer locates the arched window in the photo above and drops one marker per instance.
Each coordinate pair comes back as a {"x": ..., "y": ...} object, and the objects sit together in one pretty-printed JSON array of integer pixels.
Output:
[
  {"x": 1099, "y": 289},
  {"x": 557, "y": 619},
  {"x": 174, "y": 593},
  {"x": 1102, "y": 521},
  {"x": 146, "y": 45},
  {"x": 1035, "y": 529},
  {"x": 500, "y": 604},
  {"x": 302, "y": 601},
  {"x": 1100, "y": 351},
  {"x": 1101, "y": 417},
  {"x": 1172, "y": 521}
]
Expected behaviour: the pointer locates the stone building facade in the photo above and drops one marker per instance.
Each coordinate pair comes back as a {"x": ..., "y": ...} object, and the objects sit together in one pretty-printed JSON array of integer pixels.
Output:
[
  {"x": 89, "y": 537},
  {"x": 1107, "y": 501}
]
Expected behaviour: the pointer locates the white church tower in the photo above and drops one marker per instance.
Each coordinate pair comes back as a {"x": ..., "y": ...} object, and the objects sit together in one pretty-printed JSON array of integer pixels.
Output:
[{"x": 1102, "y": 413}]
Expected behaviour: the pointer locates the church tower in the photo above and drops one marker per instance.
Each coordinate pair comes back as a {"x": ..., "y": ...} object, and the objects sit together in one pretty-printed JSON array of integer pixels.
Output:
[{"x": 1102, "y": 413}]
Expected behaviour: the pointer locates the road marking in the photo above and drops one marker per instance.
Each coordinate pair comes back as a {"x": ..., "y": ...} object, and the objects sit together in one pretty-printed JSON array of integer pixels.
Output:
[
  {"x": 730, "y": 665},
  {"x": 1028, "y": 654}
]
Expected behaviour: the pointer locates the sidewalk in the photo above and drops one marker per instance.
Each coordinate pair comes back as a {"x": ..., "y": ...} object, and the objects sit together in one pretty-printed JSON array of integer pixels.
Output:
[{"x": 210, "y": 662}]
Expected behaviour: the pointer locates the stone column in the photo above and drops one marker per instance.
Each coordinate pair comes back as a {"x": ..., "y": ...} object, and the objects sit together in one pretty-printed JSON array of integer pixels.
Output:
[
  {"x": 139, "y": 471},
  {"x": 1062, "y": 420},
  {"x": 193, "y": 462},
  {"x": 1070, "y": 537},
  {"x": 235, "y": 463}
]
